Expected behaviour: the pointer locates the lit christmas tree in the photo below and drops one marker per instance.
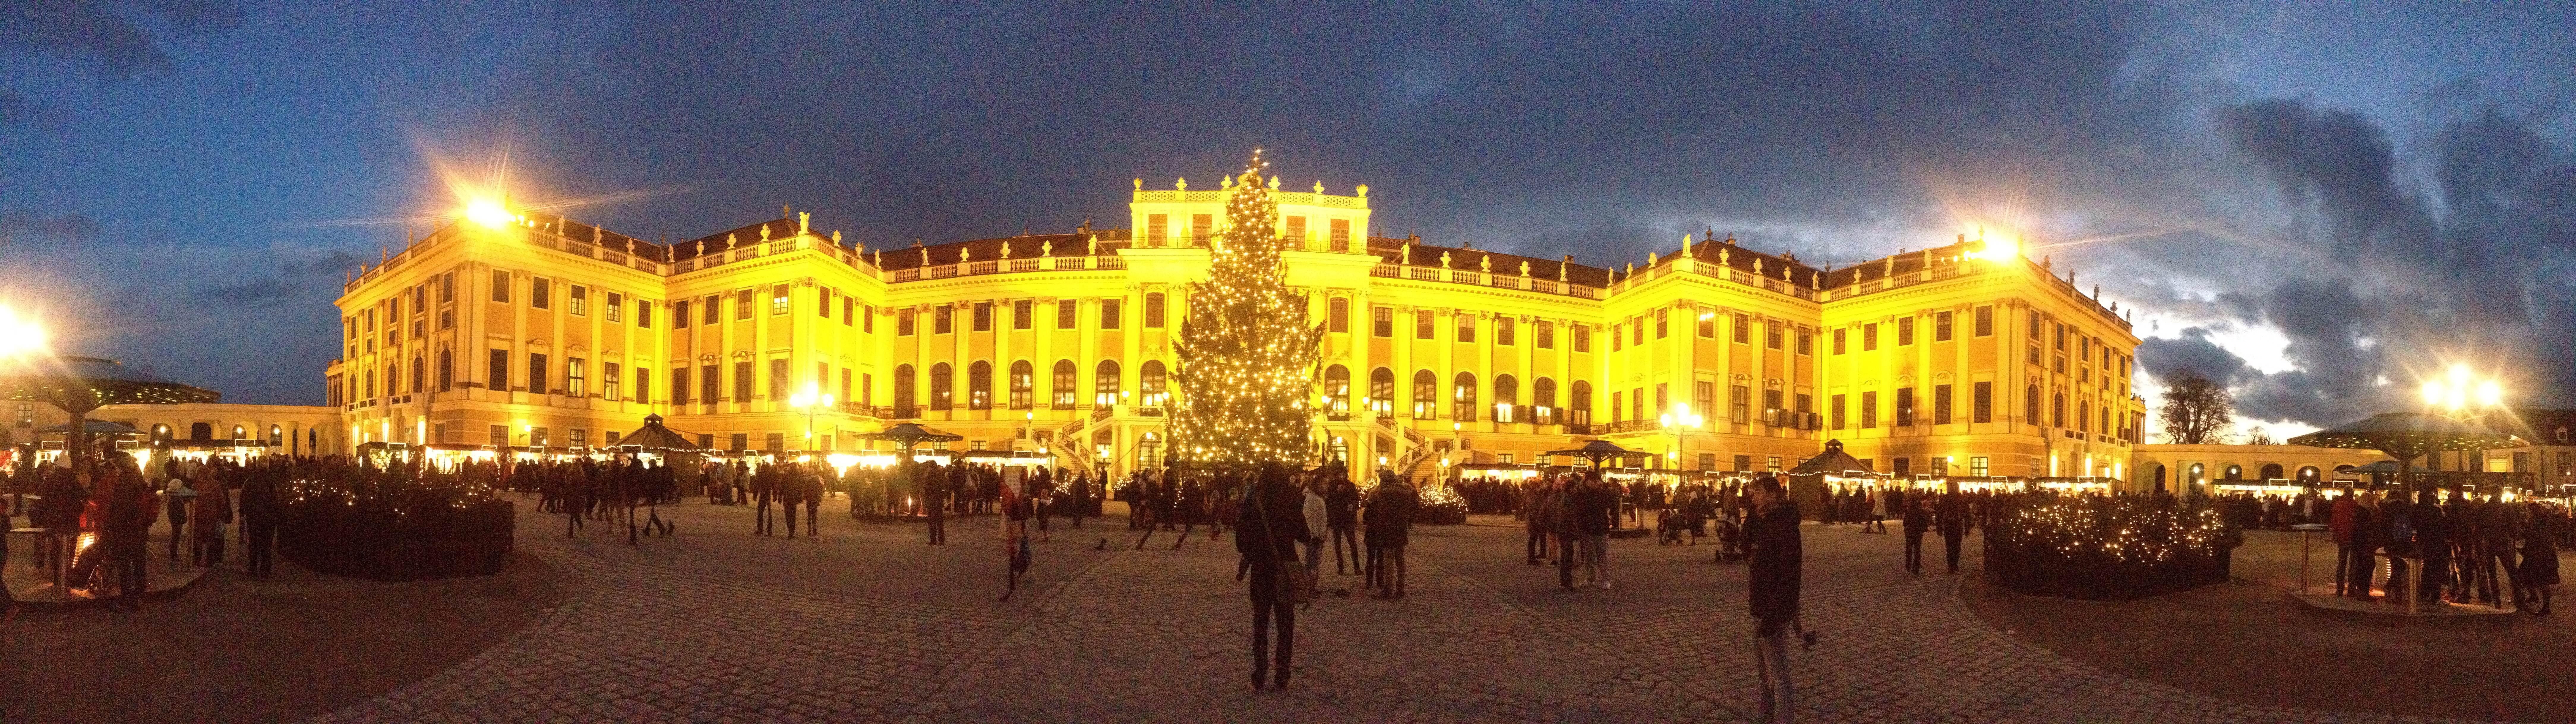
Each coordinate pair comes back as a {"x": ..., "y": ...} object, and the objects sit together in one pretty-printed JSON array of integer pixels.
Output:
[{"x": 1247, "y": 356}]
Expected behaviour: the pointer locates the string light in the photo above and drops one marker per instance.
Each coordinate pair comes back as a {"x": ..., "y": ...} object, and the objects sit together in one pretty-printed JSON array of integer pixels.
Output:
[
  {"x": 1247, "y": 355},
  {"x": 2127, "y": 530}
]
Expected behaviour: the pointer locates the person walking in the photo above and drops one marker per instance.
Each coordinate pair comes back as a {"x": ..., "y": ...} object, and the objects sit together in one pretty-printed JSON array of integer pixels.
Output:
[
  {"x": 1533, "y": 499},
  {"x": 127, "y": 533},
  {"x": 259, "y": 513},
  {"x": 1315, "y": 515},
  {"x": 1772, "y": 586},
  {"x": 1918, "y": 520},
  {"x": 1266, "y": 533},
  {"x": 175, "y": 507},
  {"x": 211, "y": 510},
  {"x": 934, "y": 496},
  {"x": 1395, "y": 502},
  {"x": 1953, "y": 518},
  {"x": 1599, "y": 513},
  {"x": 2340, "y": 520},
  {"x": 2538, "y": 574},
  {"x": 1569, "y": 528},
  {"x": 1343, "y": 517}
]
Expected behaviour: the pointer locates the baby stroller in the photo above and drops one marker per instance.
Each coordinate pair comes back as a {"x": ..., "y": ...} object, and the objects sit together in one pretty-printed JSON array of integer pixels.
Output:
[
  {"x": 1669, "y": 527},
  {"x": 1730, "y": 540}
]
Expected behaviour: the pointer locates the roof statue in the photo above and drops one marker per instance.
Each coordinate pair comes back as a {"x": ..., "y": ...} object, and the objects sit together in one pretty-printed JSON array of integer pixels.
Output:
[
  {"x": 1046, "y": 248},
  {"x": 1891, "y": 268},
  {"x": 1319, "y": 188},
  {"x": 1487, "y": 265},
  {"x": 1650, "y": 257},
  {"x": 965, "y": 253},
  {"x": 925, "y": 253},
  {"x": 1524, "y": 267},
  {"x": 1444, "y": 260},
  {"x": 764, "y": 232},
  {"x": 1685, "y": 245},
  {"x": 1180, "y": 184},
  {"x": 1095, "y": 244},
  {"x": 1757, "y": 266},
  {"x": 804, "y": 222},
  {"x": 1140, "y": 183},
  {"x": 1363, "y": 191},
  {"x": 1722, "y": 254},
  {"x": 1225, "y": 182},
  {"x": 880, "y": 258},
  {"x": 1562, "y": 265},
  {"x": 1006, "y": 249},
  {"x": 836, "y": 237}
]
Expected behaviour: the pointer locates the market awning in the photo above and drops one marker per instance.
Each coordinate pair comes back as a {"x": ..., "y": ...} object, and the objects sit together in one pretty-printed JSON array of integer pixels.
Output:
[{"x": 1833, "y": 461}]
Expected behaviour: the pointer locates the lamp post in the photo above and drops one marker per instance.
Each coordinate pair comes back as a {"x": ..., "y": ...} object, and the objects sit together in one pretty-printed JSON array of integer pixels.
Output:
[
  {"x": 1678, "y": 422},
  {"x": 811, "y": 401}
]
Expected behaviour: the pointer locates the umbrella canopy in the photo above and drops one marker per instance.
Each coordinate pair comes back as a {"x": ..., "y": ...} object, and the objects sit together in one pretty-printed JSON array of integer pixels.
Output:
[
  {"x": 86, "y": 383},
  {"x": 2409, "y": 435},
  {"x": 911, "y": 433},
  {"x": 95, "y": 427},
  {"x": 653, "y": 436},
  {"x": 1599, "y": 450},
  {"x": 1833, "y": 461}
]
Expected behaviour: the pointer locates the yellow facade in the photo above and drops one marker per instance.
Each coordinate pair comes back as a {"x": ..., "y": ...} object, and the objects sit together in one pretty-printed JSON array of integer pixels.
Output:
[{"x": 1432, "y": 354}]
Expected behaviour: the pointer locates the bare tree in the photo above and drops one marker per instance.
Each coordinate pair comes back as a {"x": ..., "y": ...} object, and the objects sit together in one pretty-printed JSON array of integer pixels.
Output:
[
  {"x": 2259, "y": 436},
  {"x": 2195, "y": 409}
]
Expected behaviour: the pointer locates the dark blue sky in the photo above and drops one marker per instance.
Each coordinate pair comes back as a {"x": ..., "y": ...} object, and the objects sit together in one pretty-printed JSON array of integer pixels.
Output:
[{"x": 2313, "y": 201}]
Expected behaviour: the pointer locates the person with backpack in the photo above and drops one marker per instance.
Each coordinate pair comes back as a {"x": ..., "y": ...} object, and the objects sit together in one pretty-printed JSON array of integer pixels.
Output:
[{"x": 1268, "y": 528}]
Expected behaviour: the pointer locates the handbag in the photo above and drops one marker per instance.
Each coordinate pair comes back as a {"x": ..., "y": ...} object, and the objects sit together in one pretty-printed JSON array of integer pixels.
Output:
[{"x": 1293, "y": 584}]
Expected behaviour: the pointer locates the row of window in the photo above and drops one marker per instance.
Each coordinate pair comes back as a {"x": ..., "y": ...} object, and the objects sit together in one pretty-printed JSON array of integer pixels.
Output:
[{"x": 1158, "y": 230}]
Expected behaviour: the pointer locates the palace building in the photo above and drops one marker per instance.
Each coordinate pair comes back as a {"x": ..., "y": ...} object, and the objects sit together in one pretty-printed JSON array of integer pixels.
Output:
[{"x": 535, "y": 330}]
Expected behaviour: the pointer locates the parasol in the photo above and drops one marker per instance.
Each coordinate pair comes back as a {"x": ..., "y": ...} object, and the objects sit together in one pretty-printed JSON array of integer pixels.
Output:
[
  {"x": 95, "y": 427},
  {"x": 2409, "y": 435},
  {"x": 1599, "y": 450},
  {"x": 906, "y": 435},
  {"x": 79, "y": 385}
]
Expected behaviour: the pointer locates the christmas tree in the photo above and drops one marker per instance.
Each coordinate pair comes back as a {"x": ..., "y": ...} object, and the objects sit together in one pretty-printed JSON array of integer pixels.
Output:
[{"x": 1247, "y": 356}]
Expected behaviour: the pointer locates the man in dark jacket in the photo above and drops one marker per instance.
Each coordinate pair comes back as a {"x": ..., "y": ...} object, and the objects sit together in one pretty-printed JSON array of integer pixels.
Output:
[
  {"x": 2341, "y": 520},
  {"x": 1600, "y": 513},
  {"x": 259, "y": 521},
  {"x": 1774, "y": 577},
  {"x": 1342, "y": 515},
  {"x": 1569, "y": 528},
  {"x": 1954, "y": 526},
  {"x": 1267, "y": 529},
  {"x": 1918, "y": 521}
]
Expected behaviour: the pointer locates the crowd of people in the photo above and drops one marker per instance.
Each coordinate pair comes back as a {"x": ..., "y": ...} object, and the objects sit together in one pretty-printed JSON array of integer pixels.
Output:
[
  {"x": 2458, "y": 548},
  {"x": 99, "y": 519}
]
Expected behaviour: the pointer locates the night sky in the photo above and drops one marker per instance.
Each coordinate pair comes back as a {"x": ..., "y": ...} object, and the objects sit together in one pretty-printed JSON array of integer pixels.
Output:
[{"x": 2315, "y": 202}]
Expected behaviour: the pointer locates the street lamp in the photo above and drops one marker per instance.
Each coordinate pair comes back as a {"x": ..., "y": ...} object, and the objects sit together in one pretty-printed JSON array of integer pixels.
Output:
[
  {"x": 811, "y": 401},
  {"x": 1676, "y": 422},
  {"x": 19, "y": 338},
  {"x": 2458, "y": 394}
]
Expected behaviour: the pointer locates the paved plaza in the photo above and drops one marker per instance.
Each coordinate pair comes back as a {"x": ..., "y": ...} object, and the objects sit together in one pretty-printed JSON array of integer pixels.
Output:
[{"x": 867, "y": 624}]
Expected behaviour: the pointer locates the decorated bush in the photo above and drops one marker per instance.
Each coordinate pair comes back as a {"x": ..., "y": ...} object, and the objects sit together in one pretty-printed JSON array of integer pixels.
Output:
[
  {"x": 1440, "y": 505},
  {"x": 2107, "y": 548},
  {"x": 394, "y": 525}
]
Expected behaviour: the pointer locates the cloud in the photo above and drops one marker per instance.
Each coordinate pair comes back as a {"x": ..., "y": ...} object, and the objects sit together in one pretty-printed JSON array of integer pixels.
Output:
[
  {"x": 117, "y": 38},
  {"x": 19, "y": 226},
  {"x": 2192, "y": 352},
  {"x": 292, "y": 279}
]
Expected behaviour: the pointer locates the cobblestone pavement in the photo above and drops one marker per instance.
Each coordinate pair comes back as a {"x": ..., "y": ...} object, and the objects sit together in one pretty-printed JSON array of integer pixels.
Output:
[{"x": 718, "y": 625}]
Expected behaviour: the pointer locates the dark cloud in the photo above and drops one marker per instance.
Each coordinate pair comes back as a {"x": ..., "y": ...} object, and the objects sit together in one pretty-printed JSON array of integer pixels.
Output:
[
  {"x": 292, "y": 279},
  {"x": 117, "y": 38},
  {"x": 21, "y": 226},
  {"x": 2191, "y": 351}
]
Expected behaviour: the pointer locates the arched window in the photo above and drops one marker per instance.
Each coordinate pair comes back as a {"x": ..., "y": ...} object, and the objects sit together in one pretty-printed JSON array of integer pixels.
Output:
[
  {"x": 1464, "y": 394},
  {"x": 2309, "y": 474},
  {"x": 201, "y": 431},
  {"x": 1426, "y": 395},
  {"x": 1543, "y": 401},
  {"x": 1023, "y": 385},
  {"x": 160, "y": 432},
  {"x": 276, "y": 436},
  {"x": 1063, "y": 390},
  {"x": 1337, "y": 391},
  {"x": 2057, "y": 410},
  {"x": 2199, "y": 473},
  {"x": 2030, "y": 405},
  {"x": 1578, "y": 404},
  {"x": 1507, "y": 393},
  {"x": 904, "y": 385},
  {"x": 2272, "y": 471},
  {"x": 979, "y": 385},
  {"x": 239, "y": 433},
  {"x": 943, "y": 387},
  {"x": 2235, "y": 472},
  {"x": 1104, "y": 383},
  {"x": 1381, "y": 392},
  {"x": 1149, "y": 384},
  {"x": 446, "y": 370}
]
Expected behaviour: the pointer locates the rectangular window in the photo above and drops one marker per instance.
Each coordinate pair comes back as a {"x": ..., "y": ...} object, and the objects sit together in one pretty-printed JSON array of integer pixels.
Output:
[
  {"x": 1341, "y": 238},
  {"x": 943, "y": 319},
  {"x": 1067, "y": 314},
  {"x": 1977, "y": 467},
  {"x": 1636, "y": 332},
  {"x": 1940, "y": 466},
  {"x": 1201, "y": 227},
  {"x": 1806, "y": 341},
  {"x": 1771, "y": 334},
  {"x": 867, "y": 319},
  {"x": 1382, "y": 321},
  {"x": 538, "y": 382},
  {"x": 609, "y": 384},
  {"x": 1503, "y": 330},
  {"x": 1869, "y": 337},
  {"x": 742, "y": 381},
  {"x": 580, "y": 301},
  {"x": 1293, "y": 228},
  {"x": 903, "y": 322},
  {"x": 500, "y": 286},
  {"x": 1154, "y": 304},
  {"x": 778, "y": 379},
  {"x": 643, "y": 386},
  {"x": 1739, "y": 401},
  {"x": 1940, "y": 326},
  {"x": 1158, "y": 230},
  {"x": 711, "y": 309},
  {"x": 1618, "y": 411},
  {"x": 1836, "y": 410},
  {"x": 1904, "y": 330},
  {"x": 1743, "y": 328},
  {"x": 1109, "y": 313},
  {"x": 845, "y": 397},
  {"x": 1546, "y": 330},
  {"x": 680, "y": 386},
  {"x": 710, "y": 387},
  {"x": 983, "y": 316},
  {"x": 1744, "y": 463},
  {"x": 1940, "y": 404},
  {"x": 850, "y": 310},
  {"x": 742, "y": 303},
  {"x": 574, "y": 375},
  {"x": 823, "y": 302},
  {"x": 1663, "y": 323},
  {"x": 1422, "y": 321},
  {"x": 1905, "y": 407},
  {"x": 1868, "y": 410},
  {"x": 1618, "y": 339},
  {"x": 1022, "y": 312},
  {"x": 541, "y": 292},
  {"x": 447, "y": 287},
  {"x": 1771, "y": 412},
  {"x": 777, "y": 299},
  {"x": 1838, "y": 339},
  {"x": 497, "y": 374},
  {"x": 1708, "y": 325},
  {"x": 1338, "y": 315},
  {"x": 1985, "y": 321},
  {"x": 680, "y": 314},
  {"x": 1466, "y": 327},
  {"x": 1582, "y": 337}
]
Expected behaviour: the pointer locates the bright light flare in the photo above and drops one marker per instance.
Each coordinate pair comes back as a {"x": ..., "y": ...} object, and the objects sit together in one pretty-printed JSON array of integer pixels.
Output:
[
  {"x": 1997, "y": 248},
  {"x": 2458, "y": 388},
  {"x": 19, "y": 337},
  {"x": 489, "y": 213}
]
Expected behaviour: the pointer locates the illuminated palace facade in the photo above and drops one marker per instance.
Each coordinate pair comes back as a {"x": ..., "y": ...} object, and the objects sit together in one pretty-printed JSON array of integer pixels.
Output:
[{"x": 535, "y": 330}]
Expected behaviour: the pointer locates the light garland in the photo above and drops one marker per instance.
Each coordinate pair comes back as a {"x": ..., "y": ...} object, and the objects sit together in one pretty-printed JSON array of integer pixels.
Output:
[
  {"x": 1246, "y": 355},
  {"x": 2135, "y": 531}
]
